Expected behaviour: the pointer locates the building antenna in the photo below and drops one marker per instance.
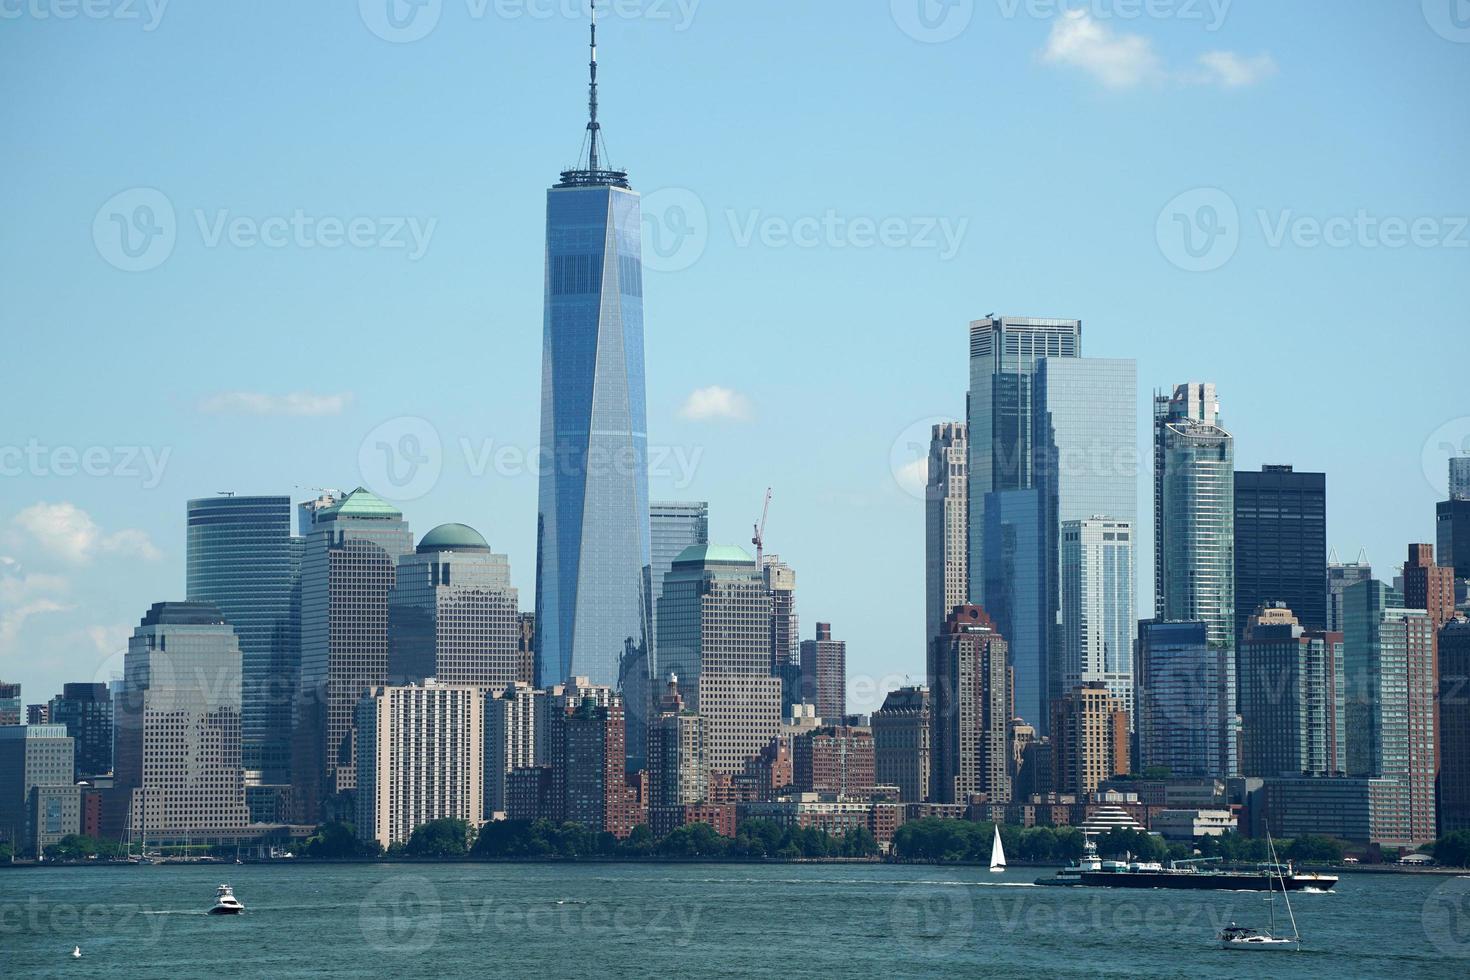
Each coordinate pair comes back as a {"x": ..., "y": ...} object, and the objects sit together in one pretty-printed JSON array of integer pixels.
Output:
[{"x": 594, "y": 129}]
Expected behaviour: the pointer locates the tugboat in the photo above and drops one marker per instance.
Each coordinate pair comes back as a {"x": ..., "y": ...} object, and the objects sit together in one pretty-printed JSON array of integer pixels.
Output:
[{"x": 225, "y": 902}]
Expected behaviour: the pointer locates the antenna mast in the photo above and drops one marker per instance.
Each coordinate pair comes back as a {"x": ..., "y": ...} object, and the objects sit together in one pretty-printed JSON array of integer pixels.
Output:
[{"x": 593, "y": 128}]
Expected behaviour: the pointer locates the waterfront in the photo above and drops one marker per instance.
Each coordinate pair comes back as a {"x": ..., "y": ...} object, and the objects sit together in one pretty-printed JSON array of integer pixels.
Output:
[{"x": 735, "y": 920}]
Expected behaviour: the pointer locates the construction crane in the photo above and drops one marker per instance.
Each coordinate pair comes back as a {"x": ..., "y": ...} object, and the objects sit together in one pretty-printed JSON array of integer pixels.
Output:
[{"x": 760, "y": 532}]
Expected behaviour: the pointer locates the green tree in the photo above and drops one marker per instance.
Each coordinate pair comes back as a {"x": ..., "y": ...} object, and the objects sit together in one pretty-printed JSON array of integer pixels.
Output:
[
  {"x": 6, "y": 852},
  {"x": 446, "y": 838},
  {"x": 859, "y": 842},
  {"x": 1313, "y": 849},
  {"x": 1453, "y": 849},
  {"x": 338, "y": 839},
  {"x": 79, "y": 847}
]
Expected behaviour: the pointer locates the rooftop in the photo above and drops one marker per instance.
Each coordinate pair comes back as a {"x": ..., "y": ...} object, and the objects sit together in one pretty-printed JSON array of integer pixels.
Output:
[
  {"x": 363, "y": 503},
  {"x": 707, "y": 554},
  {"x": 452, "y": 537}
]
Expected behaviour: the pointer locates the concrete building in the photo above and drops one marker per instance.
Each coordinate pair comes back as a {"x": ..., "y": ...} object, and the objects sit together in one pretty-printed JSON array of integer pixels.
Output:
[
  {"x": 1429, "y": 586},
  {"x": 597, "y": 794},
  {"x": 1097, "y": 611},
  {"x": 86, "y": 711},
  {"x": 834, "y": 759},
  {"x": 1347, "y": 808},
  {"x": 946, "y": 525},
  {"x": 515, "y": 737},
  {"x": 1291, "y": 697},
  {"x": 1189, "y": 825},
  {"x": 902, "y": 732},
  {"x": 1454, "y": 726},
  {"x": 824, "y": 674},
  {"x": 780, "y": 579},
  {"x": 421, "y": 757},
  {"x": 12, "y": 707},
  {"x": 678, "y": 766},
  {"x": 36, "y": 783},
  {"x": 453, "y": 614},
  {"x": 1183, "y": 724},
  {"x": 970, "y": 691},
  {"x": 1089, "y": 740},
  {"x": 179, "y": 773}
]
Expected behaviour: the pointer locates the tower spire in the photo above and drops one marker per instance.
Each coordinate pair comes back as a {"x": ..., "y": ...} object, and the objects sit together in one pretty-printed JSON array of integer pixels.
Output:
[
  {"x": 592, "y": 169},
  {"x": 593, "y": 127}
]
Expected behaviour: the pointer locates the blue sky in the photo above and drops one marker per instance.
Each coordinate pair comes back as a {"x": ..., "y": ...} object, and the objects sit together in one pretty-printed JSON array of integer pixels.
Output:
[{"x": 352, "y": 222}]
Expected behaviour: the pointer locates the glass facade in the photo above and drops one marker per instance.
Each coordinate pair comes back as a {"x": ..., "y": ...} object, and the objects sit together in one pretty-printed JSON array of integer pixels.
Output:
[
  {"x": 86, "y": 711},
  {"x": 593, "y": 574},
  {"x": 240, "y": 557},
  {"x": 1015, "y": 589},
  {"x": 1281, "y": 544},
  {"x": 1182, "y": 725},
  {"x": 672, "y": 527},
  {"x": 1097, "y": 608}
]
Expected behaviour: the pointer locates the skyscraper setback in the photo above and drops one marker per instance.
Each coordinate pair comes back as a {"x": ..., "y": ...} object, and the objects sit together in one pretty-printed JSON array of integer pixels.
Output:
[{"x": 593, "y": 557}]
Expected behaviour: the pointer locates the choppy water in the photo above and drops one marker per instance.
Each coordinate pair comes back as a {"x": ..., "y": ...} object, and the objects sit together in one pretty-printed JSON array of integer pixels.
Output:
[{"x": 621, "y": 920}]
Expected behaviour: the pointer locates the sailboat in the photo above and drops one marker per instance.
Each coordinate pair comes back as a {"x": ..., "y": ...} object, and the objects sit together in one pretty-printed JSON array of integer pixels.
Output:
[
  {"x": 1241, "y": 937},
  {"x": 997, "y": 854}
]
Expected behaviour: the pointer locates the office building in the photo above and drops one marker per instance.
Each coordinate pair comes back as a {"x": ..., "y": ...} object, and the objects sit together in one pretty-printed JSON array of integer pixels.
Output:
[
  {"x": 1340, "y": 575},
  {"x": 834, "y": 759},
  {"x": 240, "y": 555},
  {"x": 1389, "y": 661},
  {"x": 780, "y": 579},
  {"x": 1016, "y": 570},
  {"x": 970, "y": 697},
  {"x": 1183, "y": 727},
  {"x": 824, "y": 674},
  {"x": 453, "y": 614},
  {"x": 902, "y": 730},
  {"x": 11, "y": 706},
  {"x": 420, "y": 758},
  {"x": 1429, "y": 586},
  {"x": 515, "y": 735},
  {"x": 1452, "y": 534},
  {"x": 1089, "y": 740},
  {"x": 678, "y": 768},
  {"x": 593, "y": 557},
  {"x": 178, "y": 752},
  {"x": 1454, "y": 726},
  {"x": 946, "y": 525},
  {"x": 1281, "y": 545},
  {"x": 1098, "y": 618},
  {"x": 38, "y": 714},
  {"x": 1291, "y": 697},
  {"x": 36, "y": 780},
  {"x": 86, "y": 711},
  {"x": 347, "y": 575},
  {"x": 1459, "y": 467},
  {"x": 672, "y": 527}
]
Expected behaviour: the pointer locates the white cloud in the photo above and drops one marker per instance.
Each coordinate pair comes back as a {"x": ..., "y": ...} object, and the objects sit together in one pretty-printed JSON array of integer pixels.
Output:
[
  {"x": 68, "y": 533},
  {"x": 1120, "y": 60},
  {"x": 913, "y": 476},
  {"x": 1228, "y": 69},
  {"x": 1117, "y": 60},
  {"x": 299, "y": 403},
  {"x": 715, "y": 402},
  {"x": 25, "y": 595}
]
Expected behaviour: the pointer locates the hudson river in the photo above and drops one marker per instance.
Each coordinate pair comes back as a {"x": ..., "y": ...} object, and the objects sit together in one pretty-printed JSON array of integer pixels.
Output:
[{"x": 730, "y": 920}]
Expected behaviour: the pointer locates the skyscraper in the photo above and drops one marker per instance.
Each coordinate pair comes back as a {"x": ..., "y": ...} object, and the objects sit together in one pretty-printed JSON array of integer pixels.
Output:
[
  {"x": 902, "y": 733},
  {"x": 1281, "y": 545},
  {"x": 39, "y": 802},
  {"x": 453, "y": 614},
  {"x": 11, "y": 704},
  {"x": 1098, "y": 620},
  {"x": 515, "y": 735},
  {"x": 1452, "y": 534},
  {"x": 1182, "y": 724},
  {"x": 240, "y": 556},
  {"x": 1454, "y": 727},
  {"x": 970, "y": 696},
  {"x": 678, "y": 770},
  {"x": 1089, "y": 739},
  {"x": 86, "y": 711},
  {"x": 946, "y": 524},
  {"x": 1460, "y": 477},
  {"x": 1389, "y": 656},
  {"x": 1291, "y": 697},
  {"x": 1016, "y": 587},
  {"x": 347, "y": 575},
  {"x": 178, "y": 754},
  {"x": 593, "y": 553},
  {"x": 1429, "y": 586},
  {"x": 672, "y": 527},
  {"x": 824, "y": 675},
  {"x": 1340, "y": 575}
]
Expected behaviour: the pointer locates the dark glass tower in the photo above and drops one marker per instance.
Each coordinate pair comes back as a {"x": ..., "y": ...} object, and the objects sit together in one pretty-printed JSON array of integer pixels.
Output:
[
  {"x": 240, "y": 557},
  {"x": 592, "y": 549},
  {"x": 1281, "y": 545}
]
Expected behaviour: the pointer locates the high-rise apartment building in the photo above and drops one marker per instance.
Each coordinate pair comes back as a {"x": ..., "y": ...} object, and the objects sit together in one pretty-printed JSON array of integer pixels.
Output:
[
  {"x": 178, "y": 759},
  {"x": 515, "y": 736},
  {"x": 1281, "y": 545},
  {"x": 453, "y": 614},
  {"x": 902, "y": 733},
  {"x": 420, "y": 757},
  {"x": 347, "y": 575},
  {"x": 597, "y": 794},
  {"x": 834, "y": 759},
  {"x": 1454, "y": 726},
  {"x": 678, "y": 768},
  {"x": 1089, "y": 739},
  {"x": 1340, "y": 575},
  {"x": 1389, "y": 661},
  {"x": 1098, "y": 619},
  {"x": 946, "y": 525},
  {"x": 86, "y": 711},
  {"x": 1429, "y": 586},
  {"x": 241, "y": 556},
  {"x": 1182, "y": 725},
  {"x": 593, "y": 557},
  {"x": 1291, "y": 697},
  {"x": 824, "y": 674},
  {"x": 970, "y": 697}
]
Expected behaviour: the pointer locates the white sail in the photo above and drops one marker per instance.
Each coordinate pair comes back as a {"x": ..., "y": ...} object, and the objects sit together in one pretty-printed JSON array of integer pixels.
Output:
[{"x": 997, "y": 854}]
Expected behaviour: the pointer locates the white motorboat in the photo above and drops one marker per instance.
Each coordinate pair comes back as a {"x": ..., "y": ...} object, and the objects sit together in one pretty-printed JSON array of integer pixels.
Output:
[{"x": 225, "y": 902}]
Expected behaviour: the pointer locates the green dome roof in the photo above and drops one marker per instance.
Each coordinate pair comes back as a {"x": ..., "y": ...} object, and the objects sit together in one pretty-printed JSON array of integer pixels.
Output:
[
  {"x": 453, "y": 537},
  {"x": 709, "y": 553}
]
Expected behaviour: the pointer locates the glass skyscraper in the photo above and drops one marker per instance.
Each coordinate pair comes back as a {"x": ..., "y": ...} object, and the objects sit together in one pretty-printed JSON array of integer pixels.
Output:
[
  {"x": 593, "y": 558},
  {"x": 672, "y": 527},
  {"x": 1097, "y": 608},
  {"x": 241, "y": 557},
  {"x": 1281, "y": 545}
]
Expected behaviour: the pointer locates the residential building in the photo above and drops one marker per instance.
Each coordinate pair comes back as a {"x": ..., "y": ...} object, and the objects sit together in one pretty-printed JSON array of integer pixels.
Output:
[
  {"x": 946, "y": 524},
  {"x": 972, "y": 709},
  {"x": 1429, "y": 586},
  {"x": 824, "y": 673},
  {"x": 420, "y": 758},
  {"x": 1089, "y": 740},
  {"x": 1098, "y": 619},
  {"x": 902, "y": 733},
  {"x": 678, "y": 767},
  {"x": 1183, "y": 727},
  {"x": 526, "y": 649},
  {"x": 597, "y": 792},
  {"x": 515, "y": 736},
  {"x": 86, "y": 711},
  {"x": 780, "y": 579},
  {"x": 834, "y": 759},
  {"x": 1291, "y": 697},
  {"x": 1281, "y": 545}
]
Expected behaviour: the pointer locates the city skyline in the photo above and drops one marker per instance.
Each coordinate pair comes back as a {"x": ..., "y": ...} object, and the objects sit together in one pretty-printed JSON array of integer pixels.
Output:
[{"x": 73, "y": 537}]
